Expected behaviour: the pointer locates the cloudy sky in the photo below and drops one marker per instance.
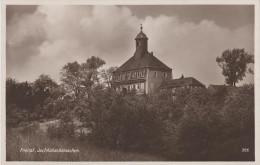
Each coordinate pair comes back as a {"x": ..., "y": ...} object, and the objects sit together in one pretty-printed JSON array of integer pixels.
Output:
[{"x": 42, "y": 39}]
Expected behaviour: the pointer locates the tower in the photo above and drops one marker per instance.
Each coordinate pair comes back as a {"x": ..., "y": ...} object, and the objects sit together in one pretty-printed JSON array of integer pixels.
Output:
[{"x": 141, "y": 42}]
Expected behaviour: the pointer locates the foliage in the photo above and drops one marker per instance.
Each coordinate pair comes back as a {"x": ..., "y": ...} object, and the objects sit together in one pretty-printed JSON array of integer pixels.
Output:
[
  {"x": 238, "y": 111},
  {"x": 31, "y": 101},
  {"x": 45, "y": 84},
  {"x": 209, "y": 122},
  {"x": 15, "y": 115},
  {"x": 43, "y": 88},
  {"x": 129, "y": 125},
  {"x": 70, "y": 76},
  {"x": 195, "y": 125},
  {"x": 234, "y": 64},
  {"x": 11, "y": 87},
  {"x": 199, "y": 126},
  {"x": 65, "y": 130},
  {"x": 79, "y": 78},
  {"x": 19, "y": 93},
  {"x": 107, "y": 74},
  {"x": 192, "y": 127}
]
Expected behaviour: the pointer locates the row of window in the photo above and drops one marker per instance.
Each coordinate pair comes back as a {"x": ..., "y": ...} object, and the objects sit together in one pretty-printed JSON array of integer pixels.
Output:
[
  {"x": 130, "y": 75},
  {"x": 190, "y": 87},
  {"x": 164, "y": 74},
  {"x": 139, "y": 86}
]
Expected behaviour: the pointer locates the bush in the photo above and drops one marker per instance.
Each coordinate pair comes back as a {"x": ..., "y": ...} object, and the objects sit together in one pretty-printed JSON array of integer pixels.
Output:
[
  {"x": 15, "y": 116},
  {"x": 61, "y": 131},
  {"x": 65, "y": 128},
  {"x": 209, "y": 121},
  {"x": 129, "y": 125}
]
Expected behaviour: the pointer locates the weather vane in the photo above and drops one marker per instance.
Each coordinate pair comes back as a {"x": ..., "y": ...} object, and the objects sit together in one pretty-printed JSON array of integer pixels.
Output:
[{"x": 141, "y": 27}]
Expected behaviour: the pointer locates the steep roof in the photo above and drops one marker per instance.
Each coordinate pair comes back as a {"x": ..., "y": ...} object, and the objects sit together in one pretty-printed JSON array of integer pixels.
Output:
[
  {"x": 141, "y": 35},
  {"x": 181, "y": 82},
  {"x": 142, "y": 60}
]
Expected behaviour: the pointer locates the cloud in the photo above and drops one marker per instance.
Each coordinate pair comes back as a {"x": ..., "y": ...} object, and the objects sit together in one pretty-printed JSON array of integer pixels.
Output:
[
  {"x": 44, "y": 41},
  {"x": 192, "y": 49}
]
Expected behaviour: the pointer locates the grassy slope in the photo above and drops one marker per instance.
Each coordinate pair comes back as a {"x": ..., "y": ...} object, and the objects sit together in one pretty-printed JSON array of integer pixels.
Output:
[{"x": 17, "y": 140}]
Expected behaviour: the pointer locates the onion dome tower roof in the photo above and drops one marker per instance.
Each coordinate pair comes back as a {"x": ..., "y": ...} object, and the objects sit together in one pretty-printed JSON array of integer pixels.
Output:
[{"x": 141, "y": 35}]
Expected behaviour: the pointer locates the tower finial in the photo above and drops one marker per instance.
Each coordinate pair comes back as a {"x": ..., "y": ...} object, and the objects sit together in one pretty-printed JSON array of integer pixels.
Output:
[{"x": 141, "y": 27}]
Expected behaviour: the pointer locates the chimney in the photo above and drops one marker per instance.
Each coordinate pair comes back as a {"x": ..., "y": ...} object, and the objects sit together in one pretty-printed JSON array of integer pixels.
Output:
[{"x": 182, "y": 76}]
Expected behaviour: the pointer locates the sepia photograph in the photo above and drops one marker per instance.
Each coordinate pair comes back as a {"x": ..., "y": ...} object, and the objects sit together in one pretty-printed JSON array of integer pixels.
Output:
[{"x": 160, "y": 83}]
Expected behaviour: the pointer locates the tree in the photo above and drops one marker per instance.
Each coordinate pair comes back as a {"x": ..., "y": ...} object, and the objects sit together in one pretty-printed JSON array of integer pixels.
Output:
[
  {"x": 44, "y": 87},
  {"x": 45, "y": 83},
  {"x": 234, "y": 64},
  {"x": 80, "y": 78},
  {"x": 89, "y": 73},
  {"x": 11, "y": 88},
  {"x": 70, "y": 76},
  {"x": 106, "y": 75}
]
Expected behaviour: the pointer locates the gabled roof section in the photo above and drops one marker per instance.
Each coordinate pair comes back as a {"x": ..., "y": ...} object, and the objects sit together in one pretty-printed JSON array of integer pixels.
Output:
[
  {"x": 181, "y": 82},
  {"x": 142, "y": 60}
]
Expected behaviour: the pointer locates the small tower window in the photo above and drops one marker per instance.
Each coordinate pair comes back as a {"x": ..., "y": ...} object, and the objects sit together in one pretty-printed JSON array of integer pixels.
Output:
[{"x": 155, "y": 74}]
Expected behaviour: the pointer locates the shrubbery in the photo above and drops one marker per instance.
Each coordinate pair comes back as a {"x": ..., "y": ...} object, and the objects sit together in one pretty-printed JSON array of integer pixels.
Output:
[
  {"x": 65, "y": 128},
  {"x": 197, "y": 125},
  {"x": 129, "y": 125},
  {"x": 217, "y": 126},
  {"x": 27, "y": 102}
]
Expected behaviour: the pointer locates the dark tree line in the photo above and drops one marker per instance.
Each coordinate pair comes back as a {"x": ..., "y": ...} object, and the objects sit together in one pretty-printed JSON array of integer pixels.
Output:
[
  {"x": 44, "y": 98},
  {"x": 29, "y": 101}
]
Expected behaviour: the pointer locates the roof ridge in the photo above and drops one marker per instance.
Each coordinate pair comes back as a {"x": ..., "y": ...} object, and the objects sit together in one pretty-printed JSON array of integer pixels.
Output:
[{"x": 181, "y": 82}]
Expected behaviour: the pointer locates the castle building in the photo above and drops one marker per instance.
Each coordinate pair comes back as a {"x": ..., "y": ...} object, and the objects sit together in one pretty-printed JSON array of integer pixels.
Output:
[{"x": 145, "y": 73}]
